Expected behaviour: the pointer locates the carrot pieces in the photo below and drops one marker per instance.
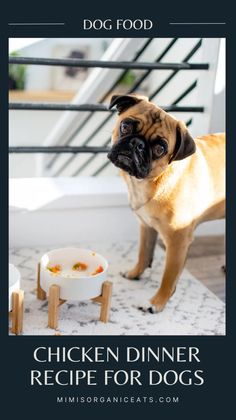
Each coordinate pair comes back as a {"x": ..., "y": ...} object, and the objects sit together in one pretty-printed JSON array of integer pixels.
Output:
[
  {"x": 55, "y": 269},
  {"x": 79, "y": 266},
  {"x": 98, "y": 270}
]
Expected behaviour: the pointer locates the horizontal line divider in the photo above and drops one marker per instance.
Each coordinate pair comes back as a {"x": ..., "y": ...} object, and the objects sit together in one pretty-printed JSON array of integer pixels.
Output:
[
  {"x": 58, "y": 149},
  {"x": 75, "y": 62},
  {"x": 89, "y": 107},
  {"x": 35, "y": 23}
]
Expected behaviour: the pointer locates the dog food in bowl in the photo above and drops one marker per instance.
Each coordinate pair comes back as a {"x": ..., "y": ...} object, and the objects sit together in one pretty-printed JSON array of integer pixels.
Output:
[
  {"x": 97, "y": 271},
  {"x": 79, "y": 272},
  {"x": 77, "y": 268},
  {"x": 56, "y": 269}
]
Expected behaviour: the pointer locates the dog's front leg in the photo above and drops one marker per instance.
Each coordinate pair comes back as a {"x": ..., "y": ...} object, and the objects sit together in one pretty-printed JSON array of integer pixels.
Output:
[
  {"x": 148, "y": 237},
  {"x": 176, "y": 253}
]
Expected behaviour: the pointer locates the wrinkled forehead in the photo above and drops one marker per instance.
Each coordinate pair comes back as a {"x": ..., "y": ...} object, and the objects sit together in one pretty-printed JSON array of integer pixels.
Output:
[{"x": 151, "y": 121}]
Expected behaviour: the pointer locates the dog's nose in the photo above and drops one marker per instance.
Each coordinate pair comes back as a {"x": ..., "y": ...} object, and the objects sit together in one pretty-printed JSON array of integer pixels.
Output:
[{"x": 137, "y": 144}]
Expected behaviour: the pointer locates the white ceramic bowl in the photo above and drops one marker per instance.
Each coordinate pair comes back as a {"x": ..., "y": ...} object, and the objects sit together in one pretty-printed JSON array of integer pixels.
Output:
[
  {"x": 83, "y": 285},
  {"x": 14, "y": 283}
]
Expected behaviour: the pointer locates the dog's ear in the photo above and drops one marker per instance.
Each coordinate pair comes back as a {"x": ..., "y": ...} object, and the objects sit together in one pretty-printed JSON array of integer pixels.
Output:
[
  {"x": 185, "y": 145},
  {"x": 123, "y": 102}
]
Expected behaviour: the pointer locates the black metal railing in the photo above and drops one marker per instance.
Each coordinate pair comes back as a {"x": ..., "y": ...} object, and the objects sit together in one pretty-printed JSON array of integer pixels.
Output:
[
  {"x": 147, "y": 67},
  {"x": 75, "y": 62},
  {"x": 91, "y": 107},
  {"x": 58, "y": 149}
]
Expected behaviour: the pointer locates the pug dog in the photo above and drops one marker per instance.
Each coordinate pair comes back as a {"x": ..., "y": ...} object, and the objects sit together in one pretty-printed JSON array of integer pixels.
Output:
[{"x": 174, "y": 183}]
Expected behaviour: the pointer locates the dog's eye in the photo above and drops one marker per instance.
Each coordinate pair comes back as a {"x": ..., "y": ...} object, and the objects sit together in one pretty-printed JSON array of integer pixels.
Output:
[
  {"x": 159, "y": 148},
  {"x": 126, "y": 127}
]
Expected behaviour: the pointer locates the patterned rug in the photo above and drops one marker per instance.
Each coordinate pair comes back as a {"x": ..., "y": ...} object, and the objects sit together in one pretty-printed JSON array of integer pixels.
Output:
[{"x": 193, "y": 309}]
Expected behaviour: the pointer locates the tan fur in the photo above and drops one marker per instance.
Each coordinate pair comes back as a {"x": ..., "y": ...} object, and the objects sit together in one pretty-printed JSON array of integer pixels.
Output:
[{"x": 175, "y": 197}]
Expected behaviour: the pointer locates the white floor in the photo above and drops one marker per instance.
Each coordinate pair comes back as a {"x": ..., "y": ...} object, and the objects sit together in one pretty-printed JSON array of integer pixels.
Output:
[{"x": 193, "y": 309}]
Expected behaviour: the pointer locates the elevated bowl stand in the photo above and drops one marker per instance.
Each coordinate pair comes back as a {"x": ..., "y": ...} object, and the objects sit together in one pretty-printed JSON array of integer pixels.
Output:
[
  {"x": 54, "y": 300},
  {"x": 16, "y": 314}
]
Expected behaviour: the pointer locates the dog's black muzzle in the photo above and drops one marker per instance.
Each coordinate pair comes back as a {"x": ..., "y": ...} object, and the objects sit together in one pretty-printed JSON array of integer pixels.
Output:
[{"x": 132, "y": 154}]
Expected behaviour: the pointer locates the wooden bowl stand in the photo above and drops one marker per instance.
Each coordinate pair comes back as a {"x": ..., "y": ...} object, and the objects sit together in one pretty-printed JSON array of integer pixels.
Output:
[
  {"x": 16, "y": 314},
  {"x": 54, "y": 301}
]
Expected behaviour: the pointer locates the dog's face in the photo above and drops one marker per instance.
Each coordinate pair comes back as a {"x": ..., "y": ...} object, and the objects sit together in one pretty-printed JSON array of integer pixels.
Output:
[{"x": 145, "y": 138}]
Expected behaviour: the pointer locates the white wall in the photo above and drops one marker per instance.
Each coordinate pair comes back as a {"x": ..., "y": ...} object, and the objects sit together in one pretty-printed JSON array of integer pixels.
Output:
[
  {"x": 65, "y": 211},
  {"x": 28, "y": 129}
]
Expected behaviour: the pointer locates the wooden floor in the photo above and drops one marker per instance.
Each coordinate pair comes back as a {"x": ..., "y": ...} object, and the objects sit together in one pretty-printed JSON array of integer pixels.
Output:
[{"x": 205, "y": 259}]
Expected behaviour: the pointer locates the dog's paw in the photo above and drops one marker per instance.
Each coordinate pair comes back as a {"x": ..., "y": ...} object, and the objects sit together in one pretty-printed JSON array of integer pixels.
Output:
[
  {"x": 155, "y": 305},
  {"x": 148, "y": 309},
  {"x": 131, "y": 275}
]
